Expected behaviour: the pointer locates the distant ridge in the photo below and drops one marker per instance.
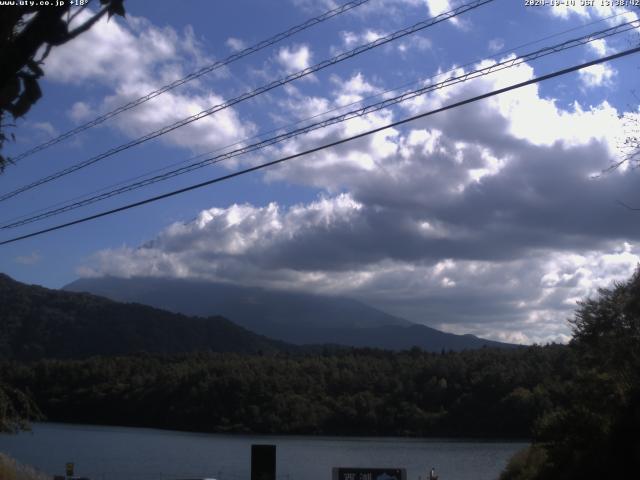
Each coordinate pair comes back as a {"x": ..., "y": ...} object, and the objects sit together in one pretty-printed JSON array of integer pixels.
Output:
[
  {"x": 37, "y": 322},
  {"x": 296, "y": 318}
]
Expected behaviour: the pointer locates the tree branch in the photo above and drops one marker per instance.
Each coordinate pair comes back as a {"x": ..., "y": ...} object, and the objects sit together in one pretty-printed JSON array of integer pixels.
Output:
[{"x": 86, "y": 25}]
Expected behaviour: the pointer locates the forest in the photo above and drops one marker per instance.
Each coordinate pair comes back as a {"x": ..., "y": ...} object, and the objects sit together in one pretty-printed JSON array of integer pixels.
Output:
[{"x": 487, "y": 392}]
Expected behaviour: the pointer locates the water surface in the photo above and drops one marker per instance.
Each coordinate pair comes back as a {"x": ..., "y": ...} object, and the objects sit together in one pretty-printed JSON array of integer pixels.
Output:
[{"x": 123, "y": 453}]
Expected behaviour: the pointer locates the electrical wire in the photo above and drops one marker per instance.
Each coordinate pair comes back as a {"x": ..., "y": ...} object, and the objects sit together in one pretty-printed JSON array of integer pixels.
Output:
[
  {"x": 192, "y": 76},
  {"x": 245, "y": 171},
  {"x": 453, "y": 80},
  {"x": 341, "y": 107},
  {"x": 265, "y": 88}
]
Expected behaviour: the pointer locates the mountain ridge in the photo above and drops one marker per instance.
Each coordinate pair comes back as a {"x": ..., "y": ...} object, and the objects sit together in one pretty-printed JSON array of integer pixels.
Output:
[
  {"x": 37, "y": 322},
  {"x": 296, "y": 318}
]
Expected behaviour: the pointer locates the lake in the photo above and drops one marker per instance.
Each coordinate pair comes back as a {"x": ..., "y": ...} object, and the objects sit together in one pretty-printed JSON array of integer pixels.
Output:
[{"x": 122, "y": 453}]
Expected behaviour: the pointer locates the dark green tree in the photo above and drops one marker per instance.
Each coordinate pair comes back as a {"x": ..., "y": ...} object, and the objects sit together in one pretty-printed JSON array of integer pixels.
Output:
[
  {"x": 27, "y": 35},
  {"x": 595, "y": 430},
  {"x": 16, "y": 409}
]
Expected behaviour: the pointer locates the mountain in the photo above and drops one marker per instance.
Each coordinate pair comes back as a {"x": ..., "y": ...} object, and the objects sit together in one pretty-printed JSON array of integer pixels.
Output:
[
  {"x": 296, "y": 318},
  {"x": 37, "y": 322}
]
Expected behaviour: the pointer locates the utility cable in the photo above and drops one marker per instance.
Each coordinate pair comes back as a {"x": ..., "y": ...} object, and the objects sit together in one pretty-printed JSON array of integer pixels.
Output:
[
  {"x": 493, "y": 93},
  {"x": 299, "y": 122},
  {"x": 265, "y": 88},
  {"x": 453, "y": 80},
  {"x": 192, "y": 76}
]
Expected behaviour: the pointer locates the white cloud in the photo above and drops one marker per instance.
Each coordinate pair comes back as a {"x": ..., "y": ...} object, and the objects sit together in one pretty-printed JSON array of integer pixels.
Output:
[
  {"x": 46, "y": 128},
  {"x": 133, "y": 58},
  {"x": 438, "y": 7},
  {"x": 525, "y": 300},
  {"x": 31, "y": 259},
  {"x": 597, "y": 75},
  {"x": 524, "y": 107},
  {"x": 496, "y": 45},
  {"x": 118, "y": 53},
  {"x": 351, "y": 39},
  {"x": 295, "y": 58},
  {"x": 512, "y": 117},
  {"x": 352, "y": 90},
  {"x": 81, "y": 111},
  {"x": 600, "y": 47},
  {"x": 39, "y": 131},
  {"x": 574, "y": 277},
  {"x": 210, "y": 246},
  {"x": 236, "y": 44}
]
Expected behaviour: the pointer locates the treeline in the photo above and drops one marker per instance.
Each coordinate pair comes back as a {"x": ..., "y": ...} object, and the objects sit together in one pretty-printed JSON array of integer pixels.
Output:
[
  {"x": 594, "y": 432},
  {"x": 486, "y": 392}
]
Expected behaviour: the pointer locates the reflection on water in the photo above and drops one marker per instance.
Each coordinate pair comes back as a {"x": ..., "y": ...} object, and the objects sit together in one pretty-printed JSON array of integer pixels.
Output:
[{"x": 121, "y": 453}]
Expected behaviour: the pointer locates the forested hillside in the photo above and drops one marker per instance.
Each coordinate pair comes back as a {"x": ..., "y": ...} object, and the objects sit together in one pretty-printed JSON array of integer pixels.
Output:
[
  {"x": 487, "y": 392},
  {"x": 37, "y": 323}
]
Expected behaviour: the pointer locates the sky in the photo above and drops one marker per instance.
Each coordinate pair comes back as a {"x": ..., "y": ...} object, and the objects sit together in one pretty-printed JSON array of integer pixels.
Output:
[{"x": 494, "y": 218}]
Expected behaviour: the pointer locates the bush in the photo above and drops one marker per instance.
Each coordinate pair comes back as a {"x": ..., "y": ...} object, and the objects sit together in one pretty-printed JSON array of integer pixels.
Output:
[
  {"x": 527, "y": 464},
  {"x": 12, "y": 470}
]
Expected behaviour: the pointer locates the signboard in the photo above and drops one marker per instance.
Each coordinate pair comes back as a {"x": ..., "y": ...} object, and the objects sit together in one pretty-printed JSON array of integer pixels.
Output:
[
  {"x": 369, "y": 473},
  {"x": 263, "y": 462},
  {"x": 69, "y": 469}
]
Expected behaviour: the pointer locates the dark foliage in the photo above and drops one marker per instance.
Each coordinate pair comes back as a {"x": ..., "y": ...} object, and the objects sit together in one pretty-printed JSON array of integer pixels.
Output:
[
  {"x": 593, "y": 430},
  {"x": 36, "y": 323},
  {"x": 16, "y": 409},
  {"x": 25, "y": 30},
  {"x": 487, "y": 392}
]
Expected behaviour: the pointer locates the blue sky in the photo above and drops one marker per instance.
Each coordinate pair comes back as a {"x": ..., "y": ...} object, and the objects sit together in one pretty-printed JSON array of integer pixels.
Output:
[{"x": 485, "y": 219}]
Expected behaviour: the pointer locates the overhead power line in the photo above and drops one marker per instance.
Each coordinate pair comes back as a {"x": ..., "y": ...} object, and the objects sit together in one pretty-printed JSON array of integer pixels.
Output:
[
  {"x": 493, "y": 93},
  {"x": 265, "y": 88},
  {"x": 192, "y": 76},
  {"x": 312, "y": 117},
  {"x": 453, "y": 80}
]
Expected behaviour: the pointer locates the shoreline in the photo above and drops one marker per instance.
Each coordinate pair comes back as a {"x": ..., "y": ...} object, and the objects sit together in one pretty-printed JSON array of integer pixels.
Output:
[{"x": 323, "y": 436}]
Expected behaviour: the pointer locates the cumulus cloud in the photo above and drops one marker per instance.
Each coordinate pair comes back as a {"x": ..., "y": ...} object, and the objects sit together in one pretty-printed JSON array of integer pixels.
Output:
[
  {"x": 295, "y": 58},
  {"x": 352, "y": 39},
  {"x": 438, "y": 7},
  {"x": 81, "y": 111},
  {"x": 525, "y": 299},
  {"x": 597, "y": 75},
  {"x": 600, "y": 47},
  {"x": 495, "y": 45},
  {"x": 133, "y": 58},
  {"x": 482, "y": 219},
  {"x": 46, "y": 128},
  {"x": 236, "y": 44},
  {"x": 353, "y": 90}
]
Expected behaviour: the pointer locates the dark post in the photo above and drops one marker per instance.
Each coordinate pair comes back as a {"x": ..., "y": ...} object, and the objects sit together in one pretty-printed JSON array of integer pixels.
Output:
[{"x": 263, "y": 462}]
